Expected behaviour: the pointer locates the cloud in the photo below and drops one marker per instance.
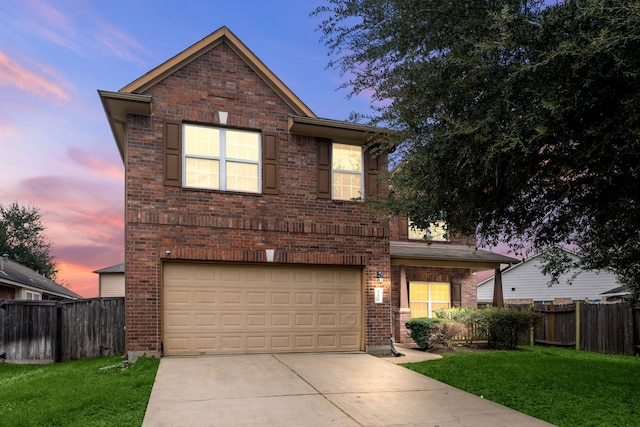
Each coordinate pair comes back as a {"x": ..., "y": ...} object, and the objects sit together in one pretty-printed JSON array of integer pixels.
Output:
[
  {"x": 119, "y": 44},
  {"x": 77, "y": 27},
  {"x": 53, "y": 25},
  {"x": 8, "y": 130},
  {"x": 96, "y": 163},
  {"x": 14, "y": 74}
]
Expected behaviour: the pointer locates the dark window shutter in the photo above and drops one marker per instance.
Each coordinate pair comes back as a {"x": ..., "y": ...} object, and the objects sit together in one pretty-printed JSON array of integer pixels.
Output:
[
  {"x": 403, "y": 227},
  {"x": 173, "y": 154},
  {"x": 371, "y": 173},
  {"x": 324, "y": 168},
  {"x": 456, "y": 295},
  {"x": 269, "y": 163}
]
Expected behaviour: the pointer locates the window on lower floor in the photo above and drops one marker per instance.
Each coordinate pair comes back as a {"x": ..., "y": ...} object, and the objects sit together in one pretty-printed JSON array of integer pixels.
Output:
[
  {"x": 427, "y": 297},
  {"x": 347, "y": 171},
  {"x": 221, "y": 158}
]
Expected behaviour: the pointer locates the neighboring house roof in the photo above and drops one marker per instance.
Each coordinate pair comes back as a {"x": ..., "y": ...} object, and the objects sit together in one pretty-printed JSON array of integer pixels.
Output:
[
  {"x": 434, "y": 254},
  {"x": 17, "y": 275},
  {"x": 118, "y": 268},
  {"x": 525, "y": 280}
]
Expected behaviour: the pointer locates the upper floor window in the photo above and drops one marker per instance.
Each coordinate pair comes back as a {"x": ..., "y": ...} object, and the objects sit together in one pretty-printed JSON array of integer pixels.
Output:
[
  {"x": 437, "y": 231},
  {"x": 347, "y": 171},
  {"x": 221, "y": 158}
]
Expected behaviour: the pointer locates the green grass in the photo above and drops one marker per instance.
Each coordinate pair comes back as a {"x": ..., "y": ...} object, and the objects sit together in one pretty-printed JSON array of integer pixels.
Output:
[
  {"x": 76, "y": 393},
  {"x": 561, "y": 386}
]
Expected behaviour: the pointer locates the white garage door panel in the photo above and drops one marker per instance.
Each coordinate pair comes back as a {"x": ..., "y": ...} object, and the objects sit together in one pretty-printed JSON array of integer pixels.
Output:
[{"x": 218, "y": 309}]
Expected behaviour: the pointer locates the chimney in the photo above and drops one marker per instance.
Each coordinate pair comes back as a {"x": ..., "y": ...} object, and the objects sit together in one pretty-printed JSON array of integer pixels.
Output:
[{"x": 5, "y": 258}]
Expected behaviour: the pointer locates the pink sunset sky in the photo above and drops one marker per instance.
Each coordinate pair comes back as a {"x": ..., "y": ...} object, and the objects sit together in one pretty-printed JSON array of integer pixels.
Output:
[{"x": 58, "y": 153}]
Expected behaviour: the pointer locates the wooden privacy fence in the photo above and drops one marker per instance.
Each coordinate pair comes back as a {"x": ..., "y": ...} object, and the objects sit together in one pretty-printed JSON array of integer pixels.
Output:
[
  {"x": 603, "y": 328},
  {"x": 48, "y": 331}
]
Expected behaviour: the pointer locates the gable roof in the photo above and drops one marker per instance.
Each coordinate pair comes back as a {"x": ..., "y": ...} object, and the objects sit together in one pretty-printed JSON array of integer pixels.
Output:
[
  {"x": 221, "y": 35},
  {"x": 131, "y": 99},
  {"x": 17, "y": 275}
]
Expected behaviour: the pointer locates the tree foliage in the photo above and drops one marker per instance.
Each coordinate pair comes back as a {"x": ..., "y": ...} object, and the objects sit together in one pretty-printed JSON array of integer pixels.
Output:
[
  {"x": 518, "y": 120},
  {"x": 22, "y": 238}
]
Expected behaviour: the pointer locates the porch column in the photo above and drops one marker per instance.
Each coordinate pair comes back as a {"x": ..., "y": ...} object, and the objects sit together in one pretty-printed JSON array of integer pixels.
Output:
[
  {"x": 498, "y": 298},
  {"x": 404, "y": 296},
  {"x": 401, "y": 335}
]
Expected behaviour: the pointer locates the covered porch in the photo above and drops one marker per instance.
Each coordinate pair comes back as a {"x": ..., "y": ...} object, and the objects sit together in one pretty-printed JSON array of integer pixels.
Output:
[{"x": 426, "y": 277}]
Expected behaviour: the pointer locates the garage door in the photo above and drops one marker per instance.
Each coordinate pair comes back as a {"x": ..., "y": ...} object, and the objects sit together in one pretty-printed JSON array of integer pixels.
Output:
[{"x": 224, "y": 309}]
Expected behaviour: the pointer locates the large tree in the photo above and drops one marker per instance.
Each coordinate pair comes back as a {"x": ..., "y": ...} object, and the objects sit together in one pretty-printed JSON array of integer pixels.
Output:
[
  {"x": 517, "y": 120},
  {"x": 22, "y": 238}
]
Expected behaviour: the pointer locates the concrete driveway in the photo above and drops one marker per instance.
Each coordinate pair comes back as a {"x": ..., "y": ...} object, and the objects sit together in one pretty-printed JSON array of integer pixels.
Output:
[{"x": 353, "y": 389}]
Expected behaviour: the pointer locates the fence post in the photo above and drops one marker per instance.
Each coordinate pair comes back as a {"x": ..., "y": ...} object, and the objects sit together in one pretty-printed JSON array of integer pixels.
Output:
[
  {"x": 532, "y": 330},
  {"x": 578, "y": 325}
]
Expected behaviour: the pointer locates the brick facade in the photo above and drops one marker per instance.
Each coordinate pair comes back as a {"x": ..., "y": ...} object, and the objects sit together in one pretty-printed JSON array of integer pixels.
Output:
[
  {"x": 7, "y": 292},
  {"x": 173, "y": 223},
  {"x": 294, "y": 214}
]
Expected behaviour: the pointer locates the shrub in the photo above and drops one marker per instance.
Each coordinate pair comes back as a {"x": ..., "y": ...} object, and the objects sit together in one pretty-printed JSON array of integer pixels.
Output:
[
  {"x": 420, "y": 329},
  {"x": 434, "y": 332},
  {"x": 442, "y": 334},
  {"x": 501, "y": 327},
  {"x": 470, "y": 317},
  {"x": 504, "y": 326}
]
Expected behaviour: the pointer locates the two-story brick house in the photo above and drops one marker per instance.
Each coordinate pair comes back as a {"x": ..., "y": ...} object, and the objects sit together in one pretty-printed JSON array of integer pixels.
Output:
[{"x": 241, "y": 232}]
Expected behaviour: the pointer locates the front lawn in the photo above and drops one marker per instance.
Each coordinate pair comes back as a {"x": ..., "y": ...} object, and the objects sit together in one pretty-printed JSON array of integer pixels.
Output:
[
  {"x": 561, "y": 386},
  {"x": 76, "y": 393}
]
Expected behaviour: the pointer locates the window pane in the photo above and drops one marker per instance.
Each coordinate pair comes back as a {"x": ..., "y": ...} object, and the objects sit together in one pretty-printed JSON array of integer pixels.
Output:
[
  {"x": 347, "y": 157},
  {"x": 242, "y": 145},
  {"x": 438, "y": 231},
  {"x": 419, "y": 309},
  {"x": 439, "y": 291},
  {"x": 201, "y": 141},
  {"x": 416, "y": 233},
  {"x": 418, "y": 291},
  {"x": 242, "y": 176},
  {"x": 202, "y": 173},
  {"x": 347, "y": 186}
]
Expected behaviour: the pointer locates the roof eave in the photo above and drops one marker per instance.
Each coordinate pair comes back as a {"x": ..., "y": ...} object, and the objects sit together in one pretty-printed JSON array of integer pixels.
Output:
[
  {"x": 117, "y": 106},
  {"x": 20, "y": 285},
  {"x": 335, "y": 130},
  {"x": 444, "y": 263}
]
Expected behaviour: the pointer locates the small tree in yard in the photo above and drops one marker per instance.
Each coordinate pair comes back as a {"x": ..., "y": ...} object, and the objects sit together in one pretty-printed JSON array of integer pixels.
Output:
[{"x": 22, "y": 238}]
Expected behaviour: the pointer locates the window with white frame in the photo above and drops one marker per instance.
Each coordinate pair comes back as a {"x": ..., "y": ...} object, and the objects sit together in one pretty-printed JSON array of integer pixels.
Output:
[
  {"x": 347, "y": 171},
  {"x": 427, "y": 297},
  {"x": 32, "y": 296},
  {"x": 221, "y": 158},
  {"x": 437, "y": 231}
]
